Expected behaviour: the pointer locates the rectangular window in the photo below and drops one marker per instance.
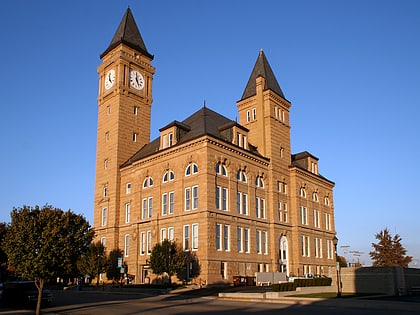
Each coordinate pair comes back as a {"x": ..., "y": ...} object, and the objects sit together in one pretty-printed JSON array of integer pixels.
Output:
[
  {"x": 186, "y": 243},
  {"x": 165, "y": 141},
  {"x": 221, "y": 198},
  {"x": 162, "y": 235},
  {"x": 318, "y": 247},
  {"x": 150, "y": 212},
  {"x": 239, "y": 238},
  {"x": 134, "y": 137},
  {"x": 246, "y": 240},
  {"x": 260, "y": 207},
  {"x": 254, "y": 113},
  {"x": 195, "y": 197},
  {"x": 328, "y": 221},
  {"x": 104, "y": 216},
  {"x": 127, "y": 213},
  {"x": 248, "y": 116},
  {"x": 170, "y": 139},
  {"x": 223, "y": 271},
  {"x": 224, "y": 198},
  {"x": 103, "y": 241},
  {"x": 303, "y": 215},
  {"x": 226, "y": 237},
  {"x": 149, "y": 242},
  {"x": 194, "y": 228},
  {"x": 164, "y": 204},
  {"x": 171, "y": 202},
  {"x": 135, "y": 110},
  {"x": 329, "y": 249},
  {"x": 258, "y": 241},
  {"x": 171, "y": 235},
  {"x": 218, "y": 237},
  {"x": 142, "y": 243},
  {"x": 305, "y": 246},
  {"x": 128, "y": 188},
  {"x": 242, "y": 203},
  {"x": 144, "y": 208},
  {"x": 317, "y": 222},
  {"x": 264, "y": 242},
  {"x": 126, "y": 245},
  {"x": 187, "y": 199}
]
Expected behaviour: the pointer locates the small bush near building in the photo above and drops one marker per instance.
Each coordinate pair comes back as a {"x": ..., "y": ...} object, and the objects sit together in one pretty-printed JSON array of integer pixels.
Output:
[
  {"x": 291, "y": 286},
  {"x": 285, "y": 286}
]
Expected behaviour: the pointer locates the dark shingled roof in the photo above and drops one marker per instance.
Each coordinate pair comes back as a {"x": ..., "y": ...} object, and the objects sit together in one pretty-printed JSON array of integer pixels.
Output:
[
  {"x": 262, "y": 68},
  {"x": 203, "y": 122},
  {"x": 129, "y": 34}
]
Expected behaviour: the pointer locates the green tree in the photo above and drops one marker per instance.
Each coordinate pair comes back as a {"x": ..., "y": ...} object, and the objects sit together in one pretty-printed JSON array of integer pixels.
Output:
[
  {"x": 94, "y": 261},
  {"x": 112, "y": 271},
  {"x": 389, "y": 252},
  {"x": 45, "y": 243},
  {"x": 167, "y": 257},
  {"x": 3, "y": 257}
]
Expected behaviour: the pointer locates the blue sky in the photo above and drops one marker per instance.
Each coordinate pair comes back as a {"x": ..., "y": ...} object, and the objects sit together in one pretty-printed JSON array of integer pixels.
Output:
[{"x": 351, "y": 70}]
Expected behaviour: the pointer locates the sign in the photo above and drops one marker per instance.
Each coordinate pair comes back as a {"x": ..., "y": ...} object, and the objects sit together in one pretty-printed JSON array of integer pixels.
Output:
[{"x": 119, "y": 262}]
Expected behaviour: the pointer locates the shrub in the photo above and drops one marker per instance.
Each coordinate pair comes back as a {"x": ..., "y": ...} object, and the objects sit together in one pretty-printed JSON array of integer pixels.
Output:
[{"x": 285, "y": 286}]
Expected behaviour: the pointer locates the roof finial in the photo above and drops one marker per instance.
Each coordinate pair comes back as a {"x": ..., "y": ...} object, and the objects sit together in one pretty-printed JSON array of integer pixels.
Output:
[
  {"x": 204, "y": 104},
  {"x": 261, "y": 51}
]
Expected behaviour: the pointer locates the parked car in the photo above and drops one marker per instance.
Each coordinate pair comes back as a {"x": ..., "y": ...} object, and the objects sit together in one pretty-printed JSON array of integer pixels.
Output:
[{"x": 24, "y": 292}]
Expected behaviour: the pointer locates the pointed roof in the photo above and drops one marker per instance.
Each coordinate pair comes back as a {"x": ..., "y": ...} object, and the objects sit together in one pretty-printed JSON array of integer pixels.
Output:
[
  {"x": 262, "y": 68},
  {"x": 128, "y": 34},
  {"x": 203, "y": 122}
]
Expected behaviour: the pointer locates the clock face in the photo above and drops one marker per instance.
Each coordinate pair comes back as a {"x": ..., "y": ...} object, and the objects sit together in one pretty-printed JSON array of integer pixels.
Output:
[
  {"x": 136, "y": 80},
  {"x": 109, "y": 79}
]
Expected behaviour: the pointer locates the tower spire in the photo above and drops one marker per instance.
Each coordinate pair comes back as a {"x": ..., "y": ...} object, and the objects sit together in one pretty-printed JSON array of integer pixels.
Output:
[
  {"x": 129, "y": 34},
  {"x": 262, "y": 68}
]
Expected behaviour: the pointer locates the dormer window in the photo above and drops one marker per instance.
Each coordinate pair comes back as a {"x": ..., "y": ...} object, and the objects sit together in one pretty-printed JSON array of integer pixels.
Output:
[
  {"x": 167, "y": 140},
  {"x": 314, "y": 167},
  {"x": 241, "y": 140},
  {"x": 171, "y": 134}
]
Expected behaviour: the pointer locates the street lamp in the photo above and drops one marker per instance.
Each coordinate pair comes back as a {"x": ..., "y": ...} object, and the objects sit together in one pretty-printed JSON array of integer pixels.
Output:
[{"x": 335, "y": 242}]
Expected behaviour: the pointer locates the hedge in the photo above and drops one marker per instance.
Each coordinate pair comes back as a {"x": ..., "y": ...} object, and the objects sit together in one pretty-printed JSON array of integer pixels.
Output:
[{"x": 291, "y": 286}]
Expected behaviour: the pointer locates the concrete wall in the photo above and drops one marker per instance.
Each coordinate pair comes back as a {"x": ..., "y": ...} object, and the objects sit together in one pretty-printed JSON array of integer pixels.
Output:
[{"x": 386, "y": 280}]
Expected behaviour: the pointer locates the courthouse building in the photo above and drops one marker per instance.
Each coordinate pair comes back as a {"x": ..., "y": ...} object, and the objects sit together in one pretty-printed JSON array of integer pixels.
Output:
[{"x": 230, "y": 192}]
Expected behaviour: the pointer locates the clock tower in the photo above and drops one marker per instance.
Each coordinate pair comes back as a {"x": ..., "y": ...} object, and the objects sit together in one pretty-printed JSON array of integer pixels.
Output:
[{"x": 124, "y": 106}]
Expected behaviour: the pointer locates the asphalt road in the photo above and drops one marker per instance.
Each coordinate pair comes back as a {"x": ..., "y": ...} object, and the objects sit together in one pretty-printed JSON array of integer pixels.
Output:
[{"x": 118, "y": 303}]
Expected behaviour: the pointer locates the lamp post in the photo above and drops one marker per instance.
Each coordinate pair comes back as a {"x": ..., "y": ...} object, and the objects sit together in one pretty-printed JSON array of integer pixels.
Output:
[{"x": 335, "y": 242}]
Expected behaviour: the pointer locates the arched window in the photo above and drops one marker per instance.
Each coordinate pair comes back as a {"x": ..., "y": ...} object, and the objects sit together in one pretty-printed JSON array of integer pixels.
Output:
[
  {"x": 241, "y": 176},
  {"x": 302, "y": 192},
  {"x": 221, "y": 169},
  {"x": 192, "y": 168},
  {"x": 326, "y": 201},
  {"x": 259, "y": 182},
  {"x": 148, "y": 182},
  {"x": 168, "y": 176},
  {"x": 315, "y": 196}
]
